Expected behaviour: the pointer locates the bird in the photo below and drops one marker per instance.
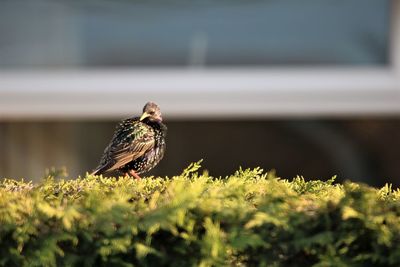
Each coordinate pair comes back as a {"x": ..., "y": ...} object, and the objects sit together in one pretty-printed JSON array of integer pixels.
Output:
[{"x": 137, "y": 146}]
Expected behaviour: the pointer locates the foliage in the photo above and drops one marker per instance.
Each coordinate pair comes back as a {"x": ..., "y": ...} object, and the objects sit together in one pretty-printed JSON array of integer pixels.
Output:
[{"x": 248, "y": 219}]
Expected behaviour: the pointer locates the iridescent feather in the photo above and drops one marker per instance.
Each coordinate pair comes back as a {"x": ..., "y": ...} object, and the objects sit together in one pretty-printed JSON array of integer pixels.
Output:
[{"x": 137, "y": 146}]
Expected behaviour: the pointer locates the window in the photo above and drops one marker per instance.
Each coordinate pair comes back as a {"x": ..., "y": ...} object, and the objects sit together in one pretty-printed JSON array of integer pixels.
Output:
[{"x": 181, "y": 33}]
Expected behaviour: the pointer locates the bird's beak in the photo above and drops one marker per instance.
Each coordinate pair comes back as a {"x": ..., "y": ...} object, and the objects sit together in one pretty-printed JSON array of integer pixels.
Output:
[{"x": 144, "y": 116}]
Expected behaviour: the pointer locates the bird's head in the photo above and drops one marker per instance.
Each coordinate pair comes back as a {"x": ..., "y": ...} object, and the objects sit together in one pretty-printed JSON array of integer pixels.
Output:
[{"x": 152, "y": 112}]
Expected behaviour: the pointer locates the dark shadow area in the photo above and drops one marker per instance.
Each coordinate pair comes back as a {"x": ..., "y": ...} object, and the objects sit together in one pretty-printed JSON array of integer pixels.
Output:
[{"x": 364, "y": 150}]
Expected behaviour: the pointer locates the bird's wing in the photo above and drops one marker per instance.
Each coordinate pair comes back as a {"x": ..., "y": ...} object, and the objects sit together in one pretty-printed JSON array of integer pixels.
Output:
[{"x": 130, "y": 141}]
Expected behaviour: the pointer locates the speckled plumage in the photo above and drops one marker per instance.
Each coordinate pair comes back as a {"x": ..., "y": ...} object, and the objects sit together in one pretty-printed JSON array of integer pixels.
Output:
[{"x": 137, "y": 146}]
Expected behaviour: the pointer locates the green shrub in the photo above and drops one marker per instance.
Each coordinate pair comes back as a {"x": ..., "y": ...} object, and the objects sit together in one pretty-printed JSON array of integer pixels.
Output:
[{"x": 248, "y": 219}]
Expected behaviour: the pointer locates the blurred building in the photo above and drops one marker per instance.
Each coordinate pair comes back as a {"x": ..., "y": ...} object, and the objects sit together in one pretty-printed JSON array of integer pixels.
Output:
[{"x": 308, "y": 87}]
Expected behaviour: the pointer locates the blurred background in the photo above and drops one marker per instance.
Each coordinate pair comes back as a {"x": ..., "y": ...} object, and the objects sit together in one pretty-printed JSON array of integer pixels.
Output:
[{"x": 306, "y": 87}]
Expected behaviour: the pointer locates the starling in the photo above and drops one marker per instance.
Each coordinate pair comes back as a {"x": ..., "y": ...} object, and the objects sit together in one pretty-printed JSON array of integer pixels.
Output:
[{"x": 137, "y": 146}]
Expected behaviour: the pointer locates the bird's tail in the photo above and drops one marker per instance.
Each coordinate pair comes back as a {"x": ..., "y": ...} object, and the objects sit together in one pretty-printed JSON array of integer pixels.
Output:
[
  {"x": 93, "y": 172},
  {"x": 99, "y": 170}
]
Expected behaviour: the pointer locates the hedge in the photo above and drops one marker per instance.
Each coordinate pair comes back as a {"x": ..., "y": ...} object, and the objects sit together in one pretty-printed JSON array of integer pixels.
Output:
[{"x": 250, "y": 218}]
